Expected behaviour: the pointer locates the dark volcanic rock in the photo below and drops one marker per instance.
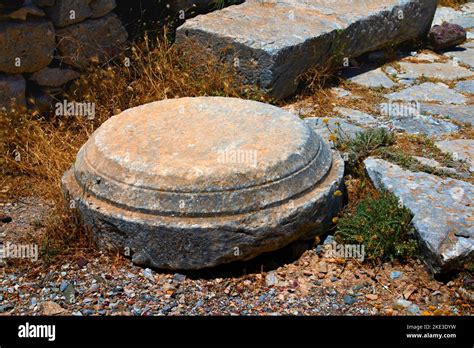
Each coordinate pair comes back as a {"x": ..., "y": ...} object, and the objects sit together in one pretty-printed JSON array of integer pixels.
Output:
[{"x": 446, "y": 35}]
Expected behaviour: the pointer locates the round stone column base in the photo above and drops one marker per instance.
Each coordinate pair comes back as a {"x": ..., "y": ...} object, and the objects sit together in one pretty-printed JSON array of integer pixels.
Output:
[{"x": 188, "y": 243}]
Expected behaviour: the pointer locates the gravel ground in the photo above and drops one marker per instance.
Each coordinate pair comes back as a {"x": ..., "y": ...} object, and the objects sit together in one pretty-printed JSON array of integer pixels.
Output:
[{"x": 301, "y": 283}]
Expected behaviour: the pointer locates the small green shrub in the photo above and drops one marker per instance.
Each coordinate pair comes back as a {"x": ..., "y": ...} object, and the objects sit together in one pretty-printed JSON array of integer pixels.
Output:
[
  {"x": 382, "y": 225},
  {"x": 357, "y": 149}
]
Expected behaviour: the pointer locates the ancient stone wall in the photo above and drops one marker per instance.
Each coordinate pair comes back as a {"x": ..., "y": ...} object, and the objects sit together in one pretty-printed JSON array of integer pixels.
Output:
[{"x": 45, "y": 44}]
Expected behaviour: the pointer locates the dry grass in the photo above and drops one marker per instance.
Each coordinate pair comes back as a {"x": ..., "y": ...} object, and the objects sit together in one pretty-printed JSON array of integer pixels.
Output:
[
  {"x": 35, "y": 153},
  {"x": 37, "y": 149},
  {"x": 452, "y": 3}
]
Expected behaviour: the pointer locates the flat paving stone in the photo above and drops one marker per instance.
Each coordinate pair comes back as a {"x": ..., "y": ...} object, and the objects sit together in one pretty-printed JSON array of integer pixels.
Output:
[
  {"x": 371, "y": 79},
  {"x": 464, "y": 55},
  {"x": 460, "y": 149},
  {"x": 440, "y": 71},
  {"x": 335, "y": 125},
  {"x": 358, "y": 117},
  {"x": 429, "y": 162},
  {"x": 271, "y": 43},
  {"x": 442, "y": 212},
  {"x": 469, "y": 44},
  {"x": 468, "y": 8},
  {"x": 409, "y": 118},
  {"x": 422, "y": 124},
  {"x": 429, "y": 92},
  {"x": 465, "y": 87},
  {"x": 465, "y": 21},
  {"x": 196, "y": 182},
  {"x": 425, "y": 57},
  {"x": 460, "y": 113},
  {"x": 445, "y": 14}
]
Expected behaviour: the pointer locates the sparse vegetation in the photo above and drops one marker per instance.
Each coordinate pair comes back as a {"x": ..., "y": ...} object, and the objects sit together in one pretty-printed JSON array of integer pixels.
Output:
[
  {"x": 363, "y": 145},
  {"x": 453, "y": 3},
  {"x": 382, "y": 225}
]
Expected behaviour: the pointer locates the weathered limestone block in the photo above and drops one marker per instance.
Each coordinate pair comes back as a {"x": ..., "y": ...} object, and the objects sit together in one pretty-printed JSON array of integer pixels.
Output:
[
  {"x": 272, "y": 43},
  {"x": 12, "y": 90},
  {"x": 91, "y": 40},
  {"x": 442, "y": 209},
  {"x": 26, "y": 46},
  {"x": 54, "y": 77},
  {"x": 196, "y": 182}
]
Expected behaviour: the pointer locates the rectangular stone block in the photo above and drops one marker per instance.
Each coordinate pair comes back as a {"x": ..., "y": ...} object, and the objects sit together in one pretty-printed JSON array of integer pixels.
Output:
[{"x": 272, "y": 42}]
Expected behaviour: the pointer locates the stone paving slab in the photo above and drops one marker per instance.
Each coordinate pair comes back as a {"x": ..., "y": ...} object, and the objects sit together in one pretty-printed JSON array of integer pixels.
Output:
[
  {"x": 460, "y": 149},
  {"x": 469, "y": 44},
  {"x": 445, "y": 14},
  {"x": 371, "y": 79},
  {"x": 271, "y": 43},
  {"x": 465, "y": 87},
  {"x": 410, "y": 118},
  {"x": 465, "y": 21},
  {"x": 427, "y": 125},
  {"x": 358, "y": 117},
  {"x": 440, "y": 71},
  {"x": 335, "y": 125},
  {"x": 463, "y": 55},
  {"x": 442, "y": 209},
  {"x": 460, "y": 113},
  {"x": 429, "y": 162},
  {"x": 429, "y": 92}
]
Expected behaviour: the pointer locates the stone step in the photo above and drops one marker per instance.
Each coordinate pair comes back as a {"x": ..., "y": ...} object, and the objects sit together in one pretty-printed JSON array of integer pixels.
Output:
[{"x": 271, "y": 43}]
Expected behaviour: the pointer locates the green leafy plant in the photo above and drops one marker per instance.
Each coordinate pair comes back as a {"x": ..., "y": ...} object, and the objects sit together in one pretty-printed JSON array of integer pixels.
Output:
[
  {"x": 359, "y": 148},
  {"x": 382, "y": 225},
  {"x": 219, "y": 4}
]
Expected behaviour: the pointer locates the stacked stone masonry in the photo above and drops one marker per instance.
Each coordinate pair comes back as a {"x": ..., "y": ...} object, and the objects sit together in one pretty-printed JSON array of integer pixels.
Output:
[{"x": 46, "y": 43}]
